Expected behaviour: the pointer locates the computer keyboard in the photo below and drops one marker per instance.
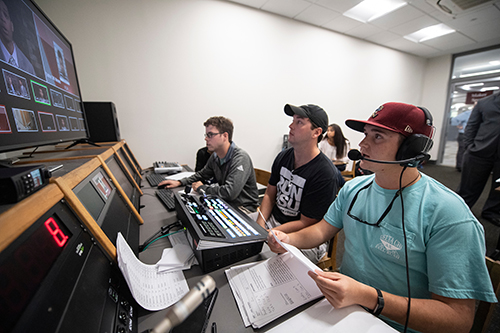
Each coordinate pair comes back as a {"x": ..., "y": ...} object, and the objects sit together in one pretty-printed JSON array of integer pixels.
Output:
[
  {"x": 166, "y": 196},
  {"x": 154, "y": 179},
  {"x": 164, "y": 167}
]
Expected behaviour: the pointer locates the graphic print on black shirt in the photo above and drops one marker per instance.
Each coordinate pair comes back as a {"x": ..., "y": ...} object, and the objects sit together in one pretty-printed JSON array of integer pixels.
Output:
[{"x": 289, "y": 192}]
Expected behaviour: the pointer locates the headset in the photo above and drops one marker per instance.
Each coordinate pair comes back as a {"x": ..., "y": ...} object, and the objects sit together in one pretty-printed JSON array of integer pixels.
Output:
[{"x": 417, "y": 146}]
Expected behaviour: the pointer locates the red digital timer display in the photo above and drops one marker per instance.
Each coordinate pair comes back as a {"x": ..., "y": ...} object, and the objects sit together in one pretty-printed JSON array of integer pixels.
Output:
[
  {"x": 57, "y": 234},
  {"x": 25, "y": 266}
]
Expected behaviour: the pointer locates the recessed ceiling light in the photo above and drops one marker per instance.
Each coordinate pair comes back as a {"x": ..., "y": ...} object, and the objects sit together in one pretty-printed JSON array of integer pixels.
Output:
[
  {"x": 480, "y": 73},
  {"x": 370, "y": 10},
  {"x": 429, "y": 33},
  {"x": 489, "y": 64},
  {"x": 490, "y": 88},
  {"x": 468, "y": 86}
]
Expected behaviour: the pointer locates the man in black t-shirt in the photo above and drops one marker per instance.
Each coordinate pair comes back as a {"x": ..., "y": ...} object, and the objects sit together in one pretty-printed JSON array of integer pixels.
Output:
[
  {"x": 202, "y": 156},
  {"x": 303, "y": 180}
]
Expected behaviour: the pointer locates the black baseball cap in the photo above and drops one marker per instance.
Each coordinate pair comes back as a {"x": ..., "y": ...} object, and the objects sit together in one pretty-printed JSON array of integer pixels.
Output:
[{"x": 316, "y": 114}]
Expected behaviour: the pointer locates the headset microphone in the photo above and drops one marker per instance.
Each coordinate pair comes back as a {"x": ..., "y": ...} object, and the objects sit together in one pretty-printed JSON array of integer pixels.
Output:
[{"x": 356, "y": 155}]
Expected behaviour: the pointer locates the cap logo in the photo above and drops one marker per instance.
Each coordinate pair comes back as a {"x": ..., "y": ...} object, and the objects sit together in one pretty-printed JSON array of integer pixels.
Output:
[
  {"x": 375, "y": 113},
  {"x": 408, "y": 129}
]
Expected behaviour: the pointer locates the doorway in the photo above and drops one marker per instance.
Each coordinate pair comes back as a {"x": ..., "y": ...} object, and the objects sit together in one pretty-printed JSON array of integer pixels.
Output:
[
  {"x": 474, "y": 76},
  {"x": 463, "y": 98}
]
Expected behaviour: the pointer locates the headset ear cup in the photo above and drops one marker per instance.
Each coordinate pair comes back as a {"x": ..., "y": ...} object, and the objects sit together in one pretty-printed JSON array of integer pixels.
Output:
[
  {"x": 427, "y": 114},
  {"x": 414, "y": 145}
]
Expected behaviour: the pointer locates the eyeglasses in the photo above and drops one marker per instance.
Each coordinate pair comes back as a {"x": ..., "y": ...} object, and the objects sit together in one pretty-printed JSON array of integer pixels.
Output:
[
  {"x": 387, "y": 210},
  {"x": 211, "y": 135}
]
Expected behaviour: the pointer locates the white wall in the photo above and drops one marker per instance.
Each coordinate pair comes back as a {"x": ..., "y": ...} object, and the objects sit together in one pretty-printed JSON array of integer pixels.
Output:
[
  {"x": 436, "y": 81},
  {"x": 168, "y": 65}
]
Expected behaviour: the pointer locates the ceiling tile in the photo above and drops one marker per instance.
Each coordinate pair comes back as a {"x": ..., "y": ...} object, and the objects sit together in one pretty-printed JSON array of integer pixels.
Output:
[
  {"x": 383, "y": 37},
  {"x": 342, "y": 24},
  {"x": 423, "y": 5},
  {"x": 290, "y": 8},
  {"x": 489, "y": 13},
  {"x": 424, "y": 52},
  {"x": 339, "y": 6},
  {"x": 414, "y": 25},
  {"x": 449, "y": 41},
  {"x": 484, "y": 31},
  {"x": 476, "y": 28},
  {"x": 363, "y": 31},
  {"x": 397, "y": 17},
  {"x": 410, "y": 47},
  {"x": 251, "y": 3},
  {"x": 317, "y": 15},
  {"x": 441, "y": 16}
]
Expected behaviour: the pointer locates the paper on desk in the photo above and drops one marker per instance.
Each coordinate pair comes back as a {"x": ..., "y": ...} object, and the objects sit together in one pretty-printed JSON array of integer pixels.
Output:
[
  {"x": 152, "y": 290},
  {"x": 176, "y": 258},
  {"x": 296, "y": 253},
  {"x": 322, "y": 317},
  {"x": 179, "y": 257},
  {"x": 180, "y": 175},
  {"x": 269, "y": 289},
  {"x": 178, "y": 238}
]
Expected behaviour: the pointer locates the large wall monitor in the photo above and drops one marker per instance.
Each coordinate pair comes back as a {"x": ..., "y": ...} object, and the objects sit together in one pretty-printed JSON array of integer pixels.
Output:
[{"x": 40, "y": 100}]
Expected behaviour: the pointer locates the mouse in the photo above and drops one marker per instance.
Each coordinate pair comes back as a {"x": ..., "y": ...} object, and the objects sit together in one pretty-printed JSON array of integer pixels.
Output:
[{"x": 161, "y": 187}]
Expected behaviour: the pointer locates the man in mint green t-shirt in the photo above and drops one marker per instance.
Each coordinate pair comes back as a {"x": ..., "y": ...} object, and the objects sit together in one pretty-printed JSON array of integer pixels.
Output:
[{"x": 442, "y": 239}]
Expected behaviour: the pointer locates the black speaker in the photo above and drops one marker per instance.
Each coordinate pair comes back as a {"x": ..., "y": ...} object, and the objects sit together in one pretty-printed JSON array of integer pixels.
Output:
[{"x": 102, "y": 121}]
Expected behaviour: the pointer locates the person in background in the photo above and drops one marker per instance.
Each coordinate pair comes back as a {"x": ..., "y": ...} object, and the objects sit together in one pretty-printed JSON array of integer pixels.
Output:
[
  {"x": 202, "y": 156},
  {"x": 335, "y": 146},
  {"x": 460, "y": 122},
  {"x": 482, "y": 157},
  {"x": 23, "y": 91},
  {"x": 230, "y": 165},
  {"x": 9, "y": 51},
  {"x": 303, "y": 181},
  {"x": 440, "y": 245}
]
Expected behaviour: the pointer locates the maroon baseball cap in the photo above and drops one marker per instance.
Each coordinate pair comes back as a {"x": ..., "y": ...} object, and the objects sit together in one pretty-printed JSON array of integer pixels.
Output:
[{"x": 405, "y": 119}]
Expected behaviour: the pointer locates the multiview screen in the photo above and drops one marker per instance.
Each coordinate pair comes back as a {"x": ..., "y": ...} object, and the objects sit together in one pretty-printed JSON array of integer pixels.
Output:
[{"x": 40, "y": 100}]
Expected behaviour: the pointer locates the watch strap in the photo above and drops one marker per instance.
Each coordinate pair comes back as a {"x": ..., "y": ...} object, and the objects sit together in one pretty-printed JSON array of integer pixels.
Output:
[{"x": 380, "y": 303}]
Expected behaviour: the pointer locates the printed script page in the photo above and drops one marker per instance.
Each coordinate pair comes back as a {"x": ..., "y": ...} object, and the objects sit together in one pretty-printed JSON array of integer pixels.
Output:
[
  {"x": 152, "y": 290},
  {"x": 269, "y": 289}
]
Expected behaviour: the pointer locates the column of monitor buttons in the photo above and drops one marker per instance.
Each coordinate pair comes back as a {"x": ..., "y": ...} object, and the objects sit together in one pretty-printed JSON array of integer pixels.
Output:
[{"x": 28, "y": 183}]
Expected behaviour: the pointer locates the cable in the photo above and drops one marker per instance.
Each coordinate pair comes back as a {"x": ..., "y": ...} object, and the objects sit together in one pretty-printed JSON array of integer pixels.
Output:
[
  {"x": 163, "y": 230},
  {"x": 406, "y": 248},
  {"x": 170, "y": 234}
]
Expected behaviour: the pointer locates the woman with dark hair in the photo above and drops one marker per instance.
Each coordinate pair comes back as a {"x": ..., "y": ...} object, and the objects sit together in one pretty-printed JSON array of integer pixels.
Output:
[{"x": 335, "y": 146}]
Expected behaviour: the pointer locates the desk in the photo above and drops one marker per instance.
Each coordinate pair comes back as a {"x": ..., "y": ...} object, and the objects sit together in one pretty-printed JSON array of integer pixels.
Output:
[{"x": 225, "y": 311}]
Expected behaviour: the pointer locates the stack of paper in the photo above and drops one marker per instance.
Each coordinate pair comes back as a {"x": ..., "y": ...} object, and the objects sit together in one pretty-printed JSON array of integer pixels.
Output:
[
  {"x": 322, "y": 317},
  {"x": 179, "y": 257},
  {"x": 152, "y": 290},
  {"x": 180, "y": 175},
  {"x": 267, "y": 290}
]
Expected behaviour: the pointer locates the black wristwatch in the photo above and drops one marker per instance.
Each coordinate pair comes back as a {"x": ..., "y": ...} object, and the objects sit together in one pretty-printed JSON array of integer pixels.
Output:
[{"x": 380, "y": 303}]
